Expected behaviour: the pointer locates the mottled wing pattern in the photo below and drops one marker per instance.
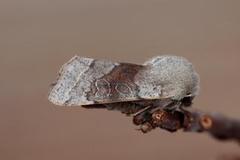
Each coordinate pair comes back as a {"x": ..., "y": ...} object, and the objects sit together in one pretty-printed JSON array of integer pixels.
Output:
[
  {"x": 163, "y": 82},
  {"x": 167, "y": 77},
  {"x": 84, "y": 81},
  {"x": 117, "y": 85}
]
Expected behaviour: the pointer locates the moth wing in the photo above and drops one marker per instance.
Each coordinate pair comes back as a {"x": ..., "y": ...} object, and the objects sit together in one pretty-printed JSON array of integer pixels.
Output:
[
  {"x": 167, "y": 77},
  {"x": 85, "y": 81}
]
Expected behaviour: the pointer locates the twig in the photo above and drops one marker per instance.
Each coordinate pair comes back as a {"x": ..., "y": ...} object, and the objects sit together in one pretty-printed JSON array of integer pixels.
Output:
[{"x": 219, "y": 126}]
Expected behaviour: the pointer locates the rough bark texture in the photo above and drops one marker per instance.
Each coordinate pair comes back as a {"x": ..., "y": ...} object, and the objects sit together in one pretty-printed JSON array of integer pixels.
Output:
[{"x": 218, "y": 126}]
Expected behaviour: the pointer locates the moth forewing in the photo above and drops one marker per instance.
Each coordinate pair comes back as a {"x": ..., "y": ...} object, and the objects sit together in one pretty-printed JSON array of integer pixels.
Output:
[
  {"x": 67, "y": 78},
  {"x": 85, "y": 81}
]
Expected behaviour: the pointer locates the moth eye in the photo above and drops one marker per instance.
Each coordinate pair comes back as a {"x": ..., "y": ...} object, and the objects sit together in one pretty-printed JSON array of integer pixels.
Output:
[
  {"x": 187, "y": 101},
  {"x": 123, "y": 88}
]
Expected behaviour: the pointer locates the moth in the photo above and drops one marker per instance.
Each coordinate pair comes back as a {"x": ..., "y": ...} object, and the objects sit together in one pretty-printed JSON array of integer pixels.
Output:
[{"x": 163, "y": 82}]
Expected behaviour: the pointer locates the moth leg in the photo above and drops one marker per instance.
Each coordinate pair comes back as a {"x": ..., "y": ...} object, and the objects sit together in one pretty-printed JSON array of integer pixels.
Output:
[
  {"x": 175, "y": 105},
  {"x": 172, "y": 106},
  {"x": 145, "y": 114},
  {"x": 142, "y": 116},
  {"x": 142, "y": 110},
  {"x": 127, "y": 108},
  {"x": 146, "y": 127}
]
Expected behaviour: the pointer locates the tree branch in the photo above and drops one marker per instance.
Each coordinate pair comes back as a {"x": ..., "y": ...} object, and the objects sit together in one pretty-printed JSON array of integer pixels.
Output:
[{"x": 219, "y": 126}]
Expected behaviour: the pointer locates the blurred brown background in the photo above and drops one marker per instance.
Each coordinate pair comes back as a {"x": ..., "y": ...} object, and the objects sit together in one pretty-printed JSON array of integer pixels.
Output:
[{"x": 38, "y": 36}]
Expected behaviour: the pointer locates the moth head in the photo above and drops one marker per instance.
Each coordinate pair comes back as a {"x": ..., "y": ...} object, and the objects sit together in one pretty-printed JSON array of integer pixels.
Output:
[{"x": 174, "y": 76}]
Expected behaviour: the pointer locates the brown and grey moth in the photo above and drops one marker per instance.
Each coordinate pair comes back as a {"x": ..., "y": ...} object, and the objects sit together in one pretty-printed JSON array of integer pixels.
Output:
[{"x": 163, "y": 82}]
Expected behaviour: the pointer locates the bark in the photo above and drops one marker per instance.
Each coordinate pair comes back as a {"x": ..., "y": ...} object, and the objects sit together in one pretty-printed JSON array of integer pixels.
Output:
[{"x": 217, "y": 125}]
